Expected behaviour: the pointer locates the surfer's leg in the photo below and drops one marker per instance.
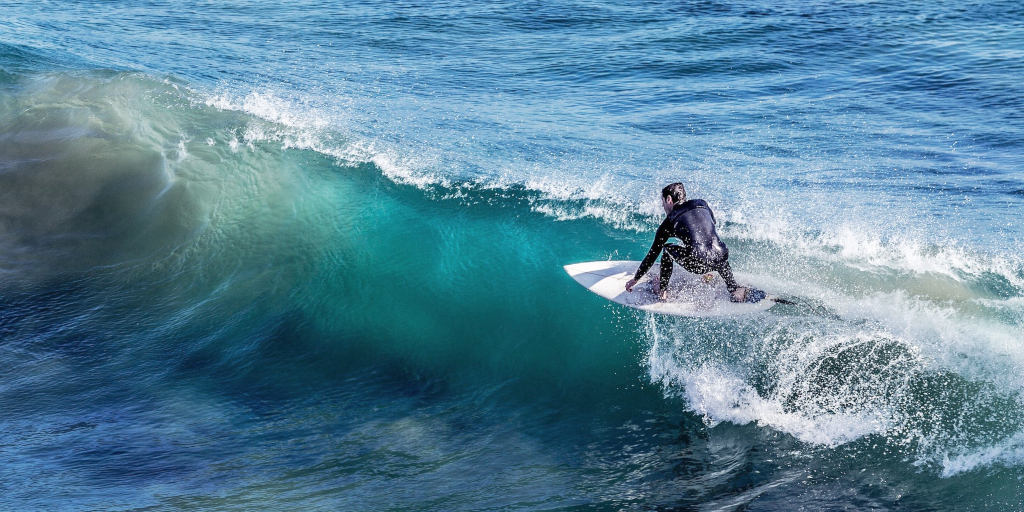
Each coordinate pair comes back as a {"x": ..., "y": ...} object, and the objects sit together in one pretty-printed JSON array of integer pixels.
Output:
[
  {"x": 671, "y": 253},
  {"x": 725, "y": 271},
  {"x": 739, "y": 293}
]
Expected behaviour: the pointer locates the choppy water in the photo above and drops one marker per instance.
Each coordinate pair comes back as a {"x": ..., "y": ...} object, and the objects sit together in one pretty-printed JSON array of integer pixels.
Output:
[{"x": 308, "y": 256}]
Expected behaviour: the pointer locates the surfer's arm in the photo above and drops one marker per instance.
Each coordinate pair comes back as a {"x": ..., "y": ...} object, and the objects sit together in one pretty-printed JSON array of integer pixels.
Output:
[{"x": 660, "y": 238}]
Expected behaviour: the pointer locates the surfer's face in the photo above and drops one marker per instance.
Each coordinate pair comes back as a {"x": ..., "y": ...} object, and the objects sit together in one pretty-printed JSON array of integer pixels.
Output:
[{"x": 667, "y": 203}]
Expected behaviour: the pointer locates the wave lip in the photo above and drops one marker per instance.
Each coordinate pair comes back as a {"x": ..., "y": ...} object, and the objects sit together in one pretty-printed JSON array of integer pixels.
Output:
[{"x": 895, "y": 310}]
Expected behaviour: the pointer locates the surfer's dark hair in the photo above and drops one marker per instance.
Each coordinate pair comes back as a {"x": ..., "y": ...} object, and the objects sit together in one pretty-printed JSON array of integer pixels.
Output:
[{"x": 676, "y": 191}]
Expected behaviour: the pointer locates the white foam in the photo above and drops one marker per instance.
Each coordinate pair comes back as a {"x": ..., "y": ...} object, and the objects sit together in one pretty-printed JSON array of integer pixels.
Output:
[
  {"x": 886, "y": 341},
  {"x": 611, "y": 214},
  {"x": 720, "y": 393},
  {"x": 295, "y": 126},
  {"x": 1009, "y": 453},
  {"x": 977, "y": 347},
  {"x": 269, "y": 106},
  {"x": 863, "y": 249}
]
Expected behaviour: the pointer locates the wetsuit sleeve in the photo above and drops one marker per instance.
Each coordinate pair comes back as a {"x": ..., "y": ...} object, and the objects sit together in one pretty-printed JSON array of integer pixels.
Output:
[{"x": 660, "y": 238}]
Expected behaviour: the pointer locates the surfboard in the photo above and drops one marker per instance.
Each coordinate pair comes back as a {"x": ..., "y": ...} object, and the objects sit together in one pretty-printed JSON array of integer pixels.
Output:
[{"x": 688, "y": 294}]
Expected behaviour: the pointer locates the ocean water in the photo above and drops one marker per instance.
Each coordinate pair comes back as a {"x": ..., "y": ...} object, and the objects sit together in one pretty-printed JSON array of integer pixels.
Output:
[{"x": 308, "y": 256}]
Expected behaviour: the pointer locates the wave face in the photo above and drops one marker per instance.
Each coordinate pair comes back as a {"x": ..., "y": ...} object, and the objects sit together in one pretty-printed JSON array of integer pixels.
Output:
[{"x": 309, "y": 256}]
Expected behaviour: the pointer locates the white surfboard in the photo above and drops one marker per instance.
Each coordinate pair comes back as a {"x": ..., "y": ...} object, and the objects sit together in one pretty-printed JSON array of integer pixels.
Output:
[{"x": 688, "y": 294}]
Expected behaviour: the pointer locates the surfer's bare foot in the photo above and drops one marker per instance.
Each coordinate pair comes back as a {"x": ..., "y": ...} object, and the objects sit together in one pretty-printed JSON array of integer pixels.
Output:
[
  {"x": 658, "y": 292},
  {"x": 739, "y": 294}
]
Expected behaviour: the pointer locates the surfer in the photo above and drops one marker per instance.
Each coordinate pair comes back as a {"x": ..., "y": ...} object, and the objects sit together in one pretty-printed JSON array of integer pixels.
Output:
[{"x": 701, "y": 251}]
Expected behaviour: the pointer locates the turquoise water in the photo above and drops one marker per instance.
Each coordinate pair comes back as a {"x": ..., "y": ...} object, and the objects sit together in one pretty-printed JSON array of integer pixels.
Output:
[{"x": 308, "y": 256}]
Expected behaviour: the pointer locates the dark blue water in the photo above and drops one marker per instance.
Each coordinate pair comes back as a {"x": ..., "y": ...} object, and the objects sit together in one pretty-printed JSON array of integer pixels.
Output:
[{"x": 309, "y": 256}]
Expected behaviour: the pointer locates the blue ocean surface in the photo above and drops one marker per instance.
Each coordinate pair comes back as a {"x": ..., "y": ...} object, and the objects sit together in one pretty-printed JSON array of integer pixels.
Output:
[{"x": 308, "y": 255}]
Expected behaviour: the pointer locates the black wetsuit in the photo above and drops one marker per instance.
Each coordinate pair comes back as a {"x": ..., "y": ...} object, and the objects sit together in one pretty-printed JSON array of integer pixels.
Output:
[{"x": 701, "y": 250}]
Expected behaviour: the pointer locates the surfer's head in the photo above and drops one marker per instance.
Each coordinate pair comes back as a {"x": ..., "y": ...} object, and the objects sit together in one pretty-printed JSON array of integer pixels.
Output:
[{"x": 672, "y": 195}]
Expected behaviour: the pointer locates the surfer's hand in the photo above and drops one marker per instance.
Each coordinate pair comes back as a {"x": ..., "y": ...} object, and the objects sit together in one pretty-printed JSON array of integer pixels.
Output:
[{"x": 630, "y": 285}]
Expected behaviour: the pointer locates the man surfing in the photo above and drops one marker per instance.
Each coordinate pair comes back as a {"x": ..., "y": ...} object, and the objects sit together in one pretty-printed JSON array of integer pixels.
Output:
[{"x": 700, "y": 250}]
